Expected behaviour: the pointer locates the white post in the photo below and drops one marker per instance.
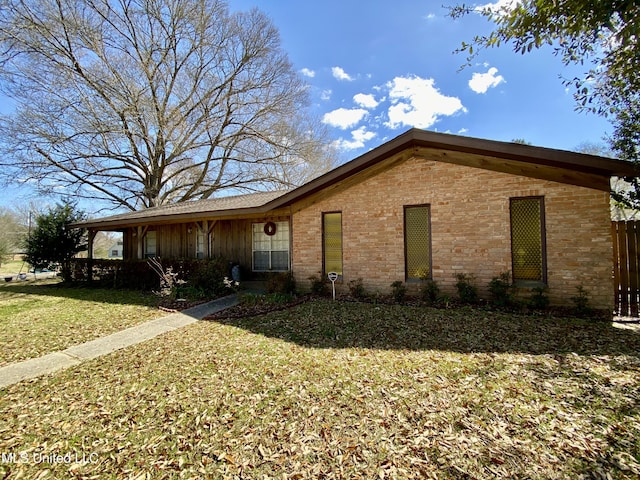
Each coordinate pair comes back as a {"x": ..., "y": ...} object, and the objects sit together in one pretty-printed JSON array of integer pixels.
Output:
[{"x": 333, "y": 276}]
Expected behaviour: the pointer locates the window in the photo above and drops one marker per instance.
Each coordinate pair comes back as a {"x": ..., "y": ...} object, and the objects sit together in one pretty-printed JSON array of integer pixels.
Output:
[
  {"x": 417, "y": 242},
  {"x": 114, "y": 253},
  {"x": 150, "y": 244},
  {"x": 332, "y": 242},
  {"x": 528, "y": 245},
  {"x": 200, "y": 242},
  {"x": 271, "y": 252}
]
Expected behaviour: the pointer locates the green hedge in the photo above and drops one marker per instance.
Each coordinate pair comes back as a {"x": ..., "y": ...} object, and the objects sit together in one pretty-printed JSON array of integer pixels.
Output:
[{"x": 203, "y": 275}]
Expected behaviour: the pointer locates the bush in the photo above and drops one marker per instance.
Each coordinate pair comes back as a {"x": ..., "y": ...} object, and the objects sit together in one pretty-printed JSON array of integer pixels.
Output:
[
  {"x": 501, "y": 290},
  {"x": 356, "y": 289},
  {"x": 467, "y": 291},
  {"x": 190, "y": 292},
  {"x": 539, "y": 299},
  {"x": 319, "y": 285},
  {"x": 130, "y": 274},
  {"x": 398, "y": 291},
  {"x": 429, "y": 291},
  {"x": 581, "y": 301},
  {"x": 281, "y": 283},
  {"x": 202, "y": 276},
  {"x": 206, "y": 275}
]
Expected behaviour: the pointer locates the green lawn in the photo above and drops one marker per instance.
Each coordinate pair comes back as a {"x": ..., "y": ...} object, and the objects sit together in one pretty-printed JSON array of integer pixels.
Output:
[
  {"x": 341, "y": 390},
  {"x": 39, "y": 317}
]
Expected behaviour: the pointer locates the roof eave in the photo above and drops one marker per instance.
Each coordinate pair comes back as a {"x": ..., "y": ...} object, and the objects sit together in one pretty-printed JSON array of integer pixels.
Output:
[
  {"x": 416, "y": 138},
  {"x": 117, "y": 224}
]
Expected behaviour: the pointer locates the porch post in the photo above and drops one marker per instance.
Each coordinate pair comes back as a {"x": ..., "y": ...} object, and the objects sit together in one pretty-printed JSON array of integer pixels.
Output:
[
  {"x": 91, "y": 237},
  {"x": 207, "y": 247},
  {"x": 210, "y": 237},
  {"x": 139, "y": 233}
]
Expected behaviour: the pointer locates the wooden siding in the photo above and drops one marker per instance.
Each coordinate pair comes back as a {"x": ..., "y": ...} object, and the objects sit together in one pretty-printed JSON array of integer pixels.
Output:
[{"x": 230, "y": 239}]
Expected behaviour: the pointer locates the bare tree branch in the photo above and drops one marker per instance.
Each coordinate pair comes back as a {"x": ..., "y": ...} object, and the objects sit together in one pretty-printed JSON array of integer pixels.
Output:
[{"x": 138, "y": 103}]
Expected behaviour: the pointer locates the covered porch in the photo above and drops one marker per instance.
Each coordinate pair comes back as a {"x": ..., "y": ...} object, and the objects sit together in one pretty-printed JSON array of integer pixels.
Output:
[{"x": 252, "y": 236}]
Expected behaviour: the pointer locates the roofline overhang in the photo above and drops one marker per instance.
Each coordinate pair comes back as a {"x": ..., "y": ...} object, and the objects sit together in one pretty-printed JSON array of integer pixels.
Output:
[
  {"x": 416, "y": 140},
  {"x": 117, "y": 224},
  {"x": 421, "y": 139}
]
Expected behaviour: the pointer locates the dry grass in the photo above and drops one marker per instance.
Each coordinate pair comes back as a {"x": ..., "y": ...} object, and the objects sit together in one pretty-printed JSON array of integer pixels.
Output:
[
  {"x": 330, "y": 390},
  {"x": 40, "y": 317},
  {"x": 11, "y": 267}
]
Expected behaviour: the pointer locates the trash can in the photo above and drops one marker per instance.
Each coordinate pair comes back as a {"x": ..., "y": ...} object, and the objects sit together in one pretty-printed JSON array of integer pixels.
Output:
[{"x": 234, "y": 271}]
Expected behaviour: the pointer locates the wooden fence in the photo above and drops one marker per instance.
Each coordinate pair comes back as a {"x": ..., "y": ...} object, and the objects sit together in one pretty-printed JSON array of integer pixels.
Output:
[{"x": 626, "y": 267}]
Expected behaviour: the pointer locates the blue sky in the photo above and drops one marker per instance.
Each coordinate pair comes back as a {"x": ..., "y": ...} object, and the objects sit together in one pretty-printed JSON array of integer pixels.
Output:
[{"x": 378, "y": 68}]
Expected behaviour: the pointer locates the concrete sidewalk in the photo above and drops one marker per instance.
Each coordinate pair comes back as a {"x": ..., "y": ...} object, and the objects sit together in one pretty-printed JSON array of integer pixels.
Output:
[{"x": 77, "y": 354}]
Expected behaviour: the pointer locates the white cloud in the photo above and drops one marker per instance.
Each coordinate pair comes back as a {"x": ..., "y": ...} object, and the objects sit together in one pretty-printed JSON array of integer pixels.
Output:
[
  {"x": 344, "y": 117},
  {"x": 417, "y": 103},
  {"x": 365, "y": 100},
  {"x": 481, "y": 82},
  {"x": 326, "y": 94},
  {"x": 307, "y": 72},
  {"x": 340, "y": 74},
  {"x": 498, "y": 6},
  {"x": 358, "y": 139}
]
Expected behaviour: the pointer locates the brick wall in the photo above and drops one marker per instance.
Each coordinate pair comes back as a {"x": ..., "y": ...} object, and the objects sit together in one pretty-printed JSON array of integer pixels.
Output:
[{"x": 469, "y": 227}]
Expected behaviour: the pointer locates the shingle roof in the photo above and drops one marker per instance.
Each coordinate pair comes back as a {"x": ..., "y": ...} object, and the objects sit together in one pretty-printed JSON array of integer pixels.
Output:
[
  {"x": 194, "y": 209},
  {"x": 526, "y": 160},
  {"x": 537, "y": 162}
]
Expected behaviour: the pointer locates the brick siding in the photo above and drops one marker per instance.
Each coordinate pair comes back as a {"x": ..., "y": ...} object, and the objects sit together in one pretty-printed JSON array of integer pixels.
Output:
[{"x": 469, "y": 226}]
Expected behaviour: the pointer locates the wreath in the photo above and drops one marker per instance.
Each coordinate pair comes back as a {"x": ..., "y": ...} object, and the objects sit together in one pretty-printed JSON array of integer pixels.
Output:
[{"x": 270, "y": 228}]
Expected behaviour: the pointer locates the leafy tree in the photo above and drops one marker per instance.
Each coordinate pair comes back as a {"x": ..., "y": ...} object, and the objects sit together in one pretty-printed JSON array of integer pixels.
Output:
[
  {"x": 603, "y": 34},
  {"x": 53, "y": 242},
  {"x": 147, "y": 102}
]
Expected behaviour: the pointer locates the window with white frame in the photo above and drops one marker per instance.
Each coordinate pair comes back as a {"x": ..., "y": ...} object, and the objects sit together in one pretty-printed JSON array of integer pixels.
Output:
[
  {"x": 200, "y": 242},
  {"x": 150, "y": 244},
  {"x": 271, "y": 247}
]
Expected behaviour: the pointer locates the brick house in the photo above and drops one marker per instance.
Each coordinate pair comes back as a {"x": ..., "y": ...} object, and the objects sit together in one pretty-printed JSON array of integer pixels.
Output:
[{"x": 423, "y": 205}]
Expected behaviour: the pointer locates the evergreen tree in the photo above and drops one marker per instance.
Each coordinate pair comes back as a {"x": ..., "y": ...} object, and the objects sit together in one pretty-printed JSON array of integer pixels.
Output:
[{"x": 53, "y": 242}]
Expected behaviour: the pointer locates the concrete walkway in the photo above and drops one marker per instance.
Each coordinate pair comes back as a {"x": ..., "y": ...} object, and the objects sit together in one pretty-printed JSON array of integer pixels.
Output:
[{"x": 77, "y": 354}]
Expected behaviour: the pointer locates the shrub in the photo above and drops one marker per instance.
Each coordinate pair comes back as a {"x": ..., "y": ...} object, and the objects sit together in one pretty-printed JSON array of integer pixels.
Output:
[
  {"x": 281, "y": 283},
  {"x": 230, "y": 285},
  {"x": 581, "y": 301},
  {"x": 467, "y": 291},
  {"x": 169, "y": 281},
  {"x": 429, "y": 291},
  {"x": 319, "y": 285},
  {"x": 356, "y": 289},
  {"x": 501, "y": 290},
  {"x": 539, "y": 299},
  {"x": 201, "y": 275},
  {"x": 207, "y": 275},
  {"x": 190, "y": 292},
  {"x": 398, "y": 291}
]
